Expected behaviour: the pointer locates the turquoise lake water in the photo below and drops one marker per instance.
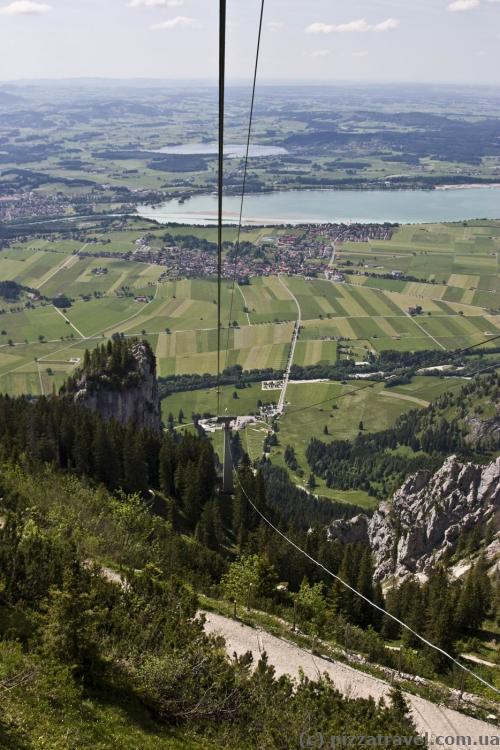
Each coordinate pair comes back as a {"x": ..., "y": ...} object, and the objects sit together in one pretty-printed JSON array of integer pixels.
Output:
[{"x": 321, "y": 206}]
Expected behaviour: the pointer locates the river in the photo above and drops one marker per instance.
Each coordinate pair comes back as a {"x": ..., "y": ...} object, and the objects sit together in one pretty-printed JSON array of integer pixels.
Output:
[{"x": 321, "y": 206}]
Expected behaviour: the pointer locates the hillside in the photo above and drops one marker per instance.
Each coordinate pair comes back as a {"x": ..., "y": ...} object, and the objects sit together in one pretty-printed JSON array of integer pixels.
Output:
[
  {"x": 464, "y": 421},
  {"x": 78, "y": 491},
  {"x": 10, "y": 100},
  {"x": 108, "y": 666},
  {"x": 432, "y": 519}
]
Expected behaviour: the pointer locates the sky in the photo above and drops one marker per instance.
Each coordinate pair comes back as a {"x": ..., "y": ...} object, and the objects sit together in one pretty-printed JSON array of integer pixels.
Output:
[{"x": 449, "y": 41}]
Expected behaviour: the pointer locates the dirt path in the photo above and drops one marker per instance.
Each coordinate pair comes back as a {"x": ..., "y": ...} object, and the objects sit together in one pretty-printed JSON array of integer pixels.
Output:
[
  {"x": 478, "y": 660},
  {"x": 245, "y": 303},
  {"x": 412, "y": 317},
  {"x": 65, "y": 317},
  {"x": 405, "y": 397},
  {"x": 66, "y": 263},
  {"x": 289, "y": 659}
]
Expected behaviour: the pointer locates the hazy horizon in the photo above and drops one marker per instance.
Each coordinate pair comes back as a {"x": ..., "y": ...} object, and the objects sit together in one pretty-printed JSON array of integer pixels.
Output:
[{"x": 244, "y": 82}]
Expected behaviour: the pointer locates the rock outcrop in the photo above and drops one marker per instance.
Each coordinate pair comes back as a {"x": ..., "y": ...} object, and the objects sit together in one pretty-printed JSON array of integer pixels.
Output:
[
  {"x": 131, "y": 395},
  {"x": 426, "y": 516}
]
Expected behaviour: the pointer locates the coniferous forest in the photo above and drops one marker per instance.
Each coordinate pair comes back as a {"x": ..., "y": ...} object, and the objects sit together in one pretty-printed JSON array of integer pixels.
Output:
[{"x": 81, "y": 498}]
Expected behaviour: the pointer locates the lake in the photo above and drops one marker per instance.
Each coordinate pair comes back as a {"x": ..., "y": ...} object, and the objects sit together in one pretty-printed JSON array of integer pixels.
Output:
[
  {"x": 322, "y": 206},
  {"x": 231, "y": 150}
]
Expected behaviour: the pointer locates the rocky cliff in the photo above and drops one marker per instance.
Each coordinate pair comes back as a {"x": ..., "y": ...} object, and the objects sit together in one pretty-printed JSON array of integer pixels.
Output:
[
  {"x": 119, "y": 382},
  {"x": 424, "y": 520}
]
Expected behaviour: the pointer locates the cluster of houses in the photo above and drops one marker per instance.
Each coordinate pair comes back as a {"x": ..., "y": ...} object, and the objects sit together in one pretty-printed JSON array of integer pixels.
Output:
[
  {"x": 24, "y": 205},
  {"x": 304, "y": 250},
  {"x": 351, "y": 232},
  {"x": 193, "y": 263}
]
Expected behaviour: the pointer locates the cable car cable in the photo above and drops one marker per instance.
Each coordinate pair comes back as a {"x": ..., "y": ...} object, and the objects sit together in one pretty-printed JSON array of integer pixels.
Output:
[
  {"x": 222, "y": 83},
  {"x": 245, "y": 172}
]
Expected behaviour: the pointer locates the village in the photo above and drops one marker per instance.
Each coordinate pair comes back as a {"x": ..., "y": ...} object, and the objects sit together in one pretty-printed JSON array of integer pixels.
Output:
[{"x": 304, "y": 250}]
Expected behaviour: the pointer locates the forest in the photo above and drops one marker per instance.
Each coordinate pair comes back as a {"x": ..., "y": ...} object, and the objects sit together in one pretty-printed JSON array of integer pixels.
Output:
[
  {"x": 79, "y": 495},
  {"x": 375, "y": 462}
]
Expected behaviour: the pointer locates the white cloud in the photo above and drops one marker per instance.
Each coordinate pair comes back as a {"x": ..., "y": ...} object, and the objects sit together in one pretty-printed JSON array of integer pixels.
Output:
[
  {"x": 460, "y": 5},
  {"x": 362, "y": 53},
  {"x": 359, "y": 26},
  {"x": 156, "y": 3},
  {"x": 173, "y": 23},
  {"x": 388, "y": 25},
  {"x": 275, "y": 25},
  {"x": 24, "y": 8},
  {"x": 320, "y": 53}
]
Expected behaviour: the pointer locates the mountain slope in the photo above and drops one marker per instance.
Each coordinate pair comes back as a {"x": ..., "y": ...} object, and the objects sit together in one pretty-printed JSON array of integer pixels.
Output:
[{"x": 427, "y": 517}]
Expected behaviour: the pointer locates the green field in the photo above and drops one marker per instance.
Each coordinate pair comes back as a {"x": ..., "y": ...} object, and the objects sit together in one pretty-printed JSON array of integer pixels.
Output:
[
  {"x": 459, "y": 294},
  {"x": 311, "y": 407},
  {"x": 458, "y": 290}
]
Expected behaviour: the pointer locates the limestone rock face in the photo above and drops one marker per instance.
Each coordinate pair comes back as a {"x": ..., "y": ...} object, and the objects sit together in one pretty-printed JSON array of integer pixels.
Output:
[
  {"x": 426, "y": 516},
  {"x": 134, "y": 399}
]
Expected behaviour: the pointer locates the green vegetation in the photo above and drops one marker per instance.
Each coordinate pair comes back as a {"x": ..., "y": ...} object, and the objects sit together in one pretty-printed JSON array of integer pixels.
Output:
[
  {"x": 336, "y": 139},
  {"x": 86, "y": 659},
  {"x": 359, "y": 321},
  {"x": 119, "y": 661},
  {"x": 455, "y": 423}
]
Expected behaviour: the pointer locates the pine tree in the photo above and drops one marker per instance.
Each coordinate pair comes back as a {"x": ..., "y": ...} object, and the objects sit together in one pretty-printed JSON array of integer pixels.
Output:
[
  {"x": 209, "y": 531},
  {"x": 496, "y": 600},
  {"x": 475, "y": 598},
  {"x": 69, "y": 631},
  {"x": 205, "y": 472},
  {"x": 82, "y": 448},
  {"x": 135, "y": 467},
  {"x": 241, "y": 507},
  {"x": 362, "y": 611},
  {"x": 166, "y": 468},
  {"x": 344, "y": 599},
  {"x": 191, "y": 497},
  {"x": 439, "y": 619},
  {"x": 105, "y": 459}
]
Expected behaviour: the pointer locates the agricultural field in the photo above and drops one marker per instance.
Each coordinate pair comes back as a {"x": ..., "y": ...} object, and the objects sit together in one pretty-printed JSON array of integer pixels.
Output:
[{"x": 457, "y": 290}]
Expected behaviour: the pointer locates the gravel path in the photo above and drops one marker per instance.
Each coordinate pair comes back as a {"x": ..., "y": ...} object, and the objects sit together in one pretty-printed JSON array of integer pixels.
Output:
[{"x": 288, "y": 659}]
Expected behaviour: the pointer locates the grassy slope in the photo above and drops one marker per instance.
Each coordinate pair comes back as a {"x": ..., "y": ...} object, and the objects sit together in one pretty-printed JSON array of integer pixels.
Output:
[{"x": 49, "y": 712}]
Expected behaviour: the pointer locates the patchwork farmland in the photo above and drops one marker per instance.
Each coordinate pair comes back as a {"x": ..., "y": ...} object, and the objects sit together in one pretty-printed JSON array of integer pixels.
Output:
[
  {"x": 448, "y": 273},
  {"x": 458, "y": 292}
]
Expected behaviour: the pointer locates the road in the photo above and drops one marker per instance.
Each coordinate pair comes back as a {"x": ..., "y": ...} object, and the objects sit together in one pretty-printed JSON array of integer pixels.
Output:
[
  {"x": 69, "y": 321},
  {"x": 286, "y": 378},
  {"x": 334, "y": 253},
  {"x": 287, "y": 658},
  {"x": 412, "y": 317},
  {"x": 65, "y": 264},
  {"x": 245, "y": 303}
]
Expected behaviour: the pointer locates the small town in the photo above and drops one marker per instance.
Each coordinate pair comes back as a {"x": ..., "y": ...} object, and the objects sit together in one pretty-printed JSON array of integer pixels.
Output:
[{"x": 304, "y": 250}]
